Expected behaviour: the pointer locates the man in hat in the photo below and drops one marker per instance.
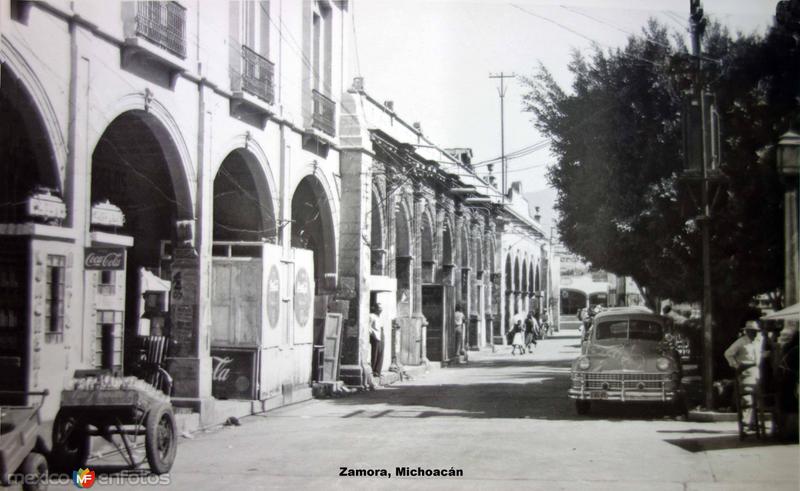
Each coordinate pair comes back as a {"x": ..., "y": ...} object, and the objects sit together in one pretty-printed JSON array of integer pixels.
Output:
[{"x": 744, "y": 356}]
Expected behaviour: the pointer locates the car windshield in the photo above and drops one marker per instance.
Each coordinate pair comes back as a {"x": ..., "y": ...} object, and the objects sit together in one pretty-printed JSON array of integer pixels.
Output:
[{"x": 629, "y": 329}]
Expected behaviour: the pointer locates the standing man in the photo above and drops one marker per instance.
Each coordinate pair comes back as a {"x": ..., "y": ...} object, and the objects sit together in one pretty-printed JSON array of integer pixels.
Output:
[
  {"x": 458, "y": 320},
  {"x": 744, "y": 356},
  {"x": 376, "y": 338}
]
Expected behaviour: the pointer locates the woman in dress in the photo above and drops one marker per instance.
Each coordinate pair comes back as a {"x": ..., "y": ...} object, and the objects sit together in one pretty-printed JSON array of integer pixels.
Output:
[{"x": 518, "y": 341}]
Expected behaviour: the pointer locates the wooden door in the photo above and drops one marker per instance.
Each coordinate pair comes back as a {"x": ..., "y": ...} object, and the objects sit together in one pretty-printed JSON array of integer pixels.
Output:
[
  {"x": 438, "y": 304},
  {"x": 432, "y": 309},
  {"x": 332, "y": 347},
  {"x": 236, "y": 302}
]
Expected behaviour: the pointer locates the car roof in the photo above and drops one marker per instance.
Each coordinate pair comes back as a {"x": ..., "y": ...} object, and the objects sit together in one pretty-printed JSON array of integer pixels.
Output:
[{"x": 639, "y": 312}]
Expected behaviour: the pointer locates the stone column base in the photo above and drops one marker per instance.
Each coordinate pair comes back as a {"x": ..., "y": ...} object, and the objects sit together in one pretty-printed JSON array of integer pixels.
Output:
[{"x": 191, "y": 376}]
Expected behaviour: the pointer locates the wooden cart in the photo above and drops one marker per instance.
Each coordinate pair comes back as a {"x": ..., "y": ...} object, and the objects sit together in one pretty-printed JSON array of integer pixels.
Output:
[{"x": 120, "y": 416}]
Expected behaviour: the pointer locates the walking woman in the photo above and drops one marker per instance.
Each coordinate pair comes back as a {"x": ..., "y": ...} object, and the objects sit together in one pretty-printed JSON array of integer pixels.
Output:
[
  {"x": 530, "y": 332},
  {"x": 518, "y": 340}
]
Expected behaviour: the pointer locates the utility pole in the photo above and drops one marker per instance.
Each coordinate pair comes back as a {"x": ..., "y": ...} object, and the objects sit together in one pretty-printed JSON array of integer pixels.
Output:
[
  {"x": 502, "y": 92},
  {"x": 698, "y": 25}
]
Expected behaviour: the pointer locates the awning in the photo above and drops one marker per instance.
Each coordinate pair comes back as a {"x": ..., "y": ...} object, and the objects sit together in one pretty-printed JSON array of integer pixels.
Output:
[{"x": 789, "y": 313}]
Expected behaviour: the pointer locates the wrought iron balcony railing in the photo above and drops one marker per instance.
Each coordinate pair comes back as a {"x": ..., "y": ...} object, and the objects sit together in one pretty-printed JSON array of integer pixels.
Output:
[
  {"x": 258, "y": 75},
  {"x": 324, "y": 113},
  {"x": 163, "y": 23}
]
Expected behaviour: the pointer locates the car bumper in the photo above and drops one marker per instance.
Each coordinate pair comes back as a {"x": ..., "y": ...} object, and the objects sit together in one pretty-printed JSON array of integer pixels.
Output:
[
  {"x": 624, "y": 387},
  {"x": 624, "y": 395}
]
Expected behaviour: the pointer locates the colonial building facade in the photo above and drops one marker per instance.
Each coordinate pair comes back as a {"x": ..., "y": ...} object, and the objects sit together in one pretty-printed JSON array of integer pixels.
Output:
[
  {"x": 196, "y": 140},
  {"x": 205, "y": 171}
]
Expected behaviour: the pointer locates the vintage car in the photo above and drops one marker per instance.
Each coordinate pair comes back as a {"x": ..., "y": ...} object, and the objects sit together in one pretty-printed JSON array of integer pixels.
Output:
[{"x": 625, "y": 358}]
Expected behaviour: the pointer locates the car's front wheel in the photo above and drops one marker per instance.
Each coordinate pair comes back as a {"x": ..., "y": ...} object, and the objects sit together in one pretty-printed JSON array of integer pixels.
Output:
[{"x": 583, "y": 407}]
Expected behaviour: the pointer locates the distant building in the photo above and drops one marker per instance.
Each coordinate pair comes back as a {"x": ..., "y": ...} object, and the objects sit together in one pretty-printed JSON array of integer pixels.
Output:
[{"x": 582, "y": 287}]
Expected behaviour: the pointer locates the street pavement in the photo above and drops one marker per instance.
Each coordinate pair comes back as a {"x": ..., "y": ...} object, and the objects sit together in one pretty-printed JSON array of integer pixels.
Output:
[{"x": 504, "y": 421}]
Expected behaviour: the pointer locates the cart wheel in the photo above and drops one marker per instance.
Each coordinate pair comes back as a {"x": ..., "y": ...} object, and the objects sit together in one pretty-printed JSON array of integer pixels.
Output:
[
  {"x": 161, "y": 439},
  {"x": 34, "y": 470},
  {"x": 71, "y": 443},
  {"x": 583, "y": 407}
]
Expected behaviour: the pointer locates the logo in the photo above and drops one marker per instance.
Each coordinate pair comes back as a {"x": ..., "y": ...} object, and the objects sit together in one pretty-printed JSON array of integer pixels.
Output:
[
  {"x": 104, "y": 258},
  {"x": 221, "y": 370},
  {"x": 83, "y": 478},
  {"x": 302, "y": 297},
  {"x": 273, "y": 297}
]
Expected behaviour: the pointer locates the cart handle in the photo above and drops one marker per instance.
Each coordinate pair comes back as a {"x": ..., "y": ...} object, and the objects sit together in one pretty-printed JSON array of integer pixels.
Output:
[{"x": 44, "y": 393}]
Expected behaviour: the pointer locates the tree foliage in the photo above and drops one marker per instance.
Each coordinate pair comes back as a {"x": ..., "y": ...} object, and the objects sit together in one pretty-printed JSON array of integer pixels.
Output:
[{"x": 617, "y": 135}]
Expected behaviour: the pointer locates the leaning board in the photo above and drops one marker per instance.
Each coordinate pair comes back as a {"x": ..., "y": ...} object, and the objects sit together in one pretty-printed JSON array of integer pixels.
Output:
[{"x": 333, "y": 345}]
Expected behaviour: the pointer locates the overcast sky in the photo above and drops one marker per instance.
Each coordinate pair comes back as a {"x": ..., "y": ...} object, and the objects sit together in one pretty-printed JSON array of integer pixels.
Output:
[{"x": 433, "y": 59}]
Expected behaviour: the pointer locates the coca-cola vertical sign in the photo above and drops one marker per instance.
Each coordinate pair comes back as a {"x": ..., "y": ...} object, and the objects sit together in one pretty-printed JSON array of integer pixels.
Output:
[
  {"x": 183, "y": 301},
  {"x": 98, "y": 258},
  {"x": 233, "y": 373}
]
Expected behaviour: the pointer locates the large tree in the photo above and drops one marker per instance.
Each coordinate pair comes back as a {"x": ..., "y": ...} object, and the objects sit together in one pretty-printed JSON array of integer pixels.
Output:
[{"x": 617, "y": 135}]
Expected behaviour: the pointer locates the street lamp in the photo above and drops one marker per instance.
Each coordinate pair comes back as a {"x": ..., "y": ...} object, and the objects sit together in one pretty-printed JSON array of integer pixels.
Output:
[
  {"x": 789, "y": 154},
  {"x": 788, "y": 165}
]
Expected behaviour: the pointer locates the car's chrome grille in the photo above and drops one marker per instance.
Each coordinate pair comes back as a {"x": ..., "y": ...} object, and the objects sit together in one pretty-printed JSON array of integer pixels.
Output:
[{"x": 615, "y": 381}]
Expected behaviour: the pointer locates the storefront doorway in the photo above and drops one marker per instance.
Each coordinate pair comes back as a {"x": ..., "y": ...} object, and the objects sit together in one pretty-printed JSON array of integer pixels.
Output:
[
  {"x": 137, "y": 168},
  {"x": 27, "y": 169},
  {"x": 313, "y": 229}
]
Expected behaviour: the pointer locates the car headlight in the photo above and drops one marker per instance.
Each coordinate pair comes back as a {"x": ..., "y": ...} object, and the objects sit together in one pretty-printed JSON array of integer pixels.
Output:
[
  {"x": 584, "y": 363},
  {"x": 662, "y": 364}
]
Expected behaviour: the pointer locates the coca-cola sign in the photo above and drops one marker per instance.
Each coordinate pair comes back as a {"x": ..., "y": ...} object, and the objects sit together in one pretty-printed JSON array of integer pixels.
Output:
[
  {"x": 104, "y": 258},
  {"x": 233, "y": 373}
]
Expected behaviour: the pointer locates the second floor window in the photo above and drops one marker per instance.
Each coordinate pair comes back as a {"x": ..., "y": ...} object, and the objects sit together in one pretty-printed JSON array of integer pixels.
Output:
[
  {"x": 250, "y": 25},
  {"x": 321, "y": 50}
]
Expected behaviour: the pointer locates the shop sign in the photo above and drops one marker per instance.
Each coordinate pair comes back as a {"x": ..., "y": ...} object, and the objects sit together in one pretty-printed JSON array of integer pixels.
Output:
[
  {"x": 45, "y": 205},
  {"x": 104, "y": 258},
  {"x": 107, "y": 214},
  {"x": 273, "y": 296},
  {"x": 233, "y": 373},
  {"x": 302, "y": 297}
]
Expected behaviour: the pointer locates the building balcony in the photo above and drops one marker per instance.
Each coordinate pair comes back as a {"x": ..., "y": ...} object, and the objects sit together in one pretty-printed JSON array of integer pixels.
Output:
[
  {"x": 163, "y": 24},
  {"x": 324, "y": 113},
  {"x": 258, "y": 75}
]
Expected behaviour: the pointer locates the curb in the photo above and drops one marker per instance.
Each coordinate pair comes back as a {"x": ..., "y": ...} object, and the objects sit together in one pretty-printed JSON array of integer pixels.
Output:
[{"x": 712, "y": 417}]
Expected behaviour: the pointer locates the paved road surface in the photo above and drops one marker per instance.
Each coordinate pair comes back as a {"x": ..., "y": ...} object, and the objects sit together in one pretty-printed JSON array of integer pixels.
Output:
[{"x": 503, "y": 420}]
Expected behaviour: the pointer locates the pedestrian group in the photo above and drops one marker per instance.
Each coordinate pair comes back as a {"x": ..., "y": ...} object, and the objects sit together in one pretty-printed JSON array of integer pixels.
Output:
[{"x": 525, "y": 332}]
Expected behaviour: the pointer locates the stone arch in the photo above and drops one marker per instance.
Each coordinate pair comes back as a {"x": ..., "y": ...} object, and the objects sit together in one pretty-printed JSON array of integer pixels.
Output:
[
  {"x": 509, "y": 297},
  {"x": 403, "y": 246},
  {"x": 241, "y": 183},
  {"x": 403, "y": 230},
  {"x": 572, "y": 300},
  {"x": 427, "y": 245},
  {"x": 509, "y": 273},
  {"x": 479, "y": 267},
  {"x": 28, "y": 158},
  {"x": 136, "y": 166},
  {"x": 524, "y": 277},
  {"x": 490, "y": 254},
  {"x": 465, "y": 249},
  {"x": 377, "y": 232},
  {"x": 169, "y": 136},
  {"x": 313, "y": 228},
  {"x": 447, "y": 243},
  {"x": 257, "y": 162},
  {"x": 43, "y": 114}
]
